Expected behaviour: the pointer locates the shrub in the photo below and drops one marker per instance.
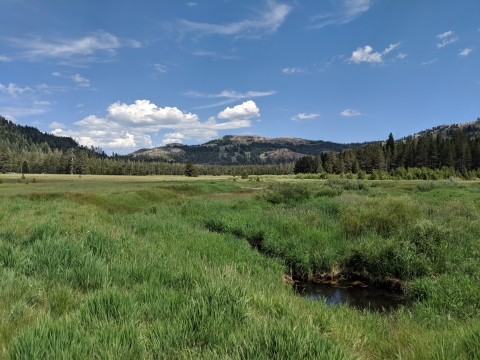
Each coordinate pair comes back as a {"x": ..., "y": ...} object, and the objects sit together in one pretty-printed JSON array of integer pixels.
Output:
[
  {"x": 426, "y": 186},
  {"x": 347, "y": 184},
  {"x": 380, "y": 259},
  {"x": 329, "y": 191},
  {"x": 381, "y": 215},
  {"x": 285, "y": 192}
]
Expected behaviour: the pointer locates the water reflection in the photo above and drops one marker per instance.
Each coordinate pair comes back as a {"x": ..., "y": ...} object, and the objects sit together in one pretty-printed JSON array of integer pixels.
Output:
[{"x": 369, "y": 298}]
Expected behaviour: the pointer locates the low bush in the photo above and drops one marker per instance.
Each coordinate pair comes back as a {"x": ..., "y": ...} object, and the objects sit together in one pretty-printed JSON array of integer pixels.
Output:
[
  {"x": 286, "y": 193},
  {"x": 426, "y": 186},
  {"x": 347, "y": 184},
  {"x": 381, "y": 215}
]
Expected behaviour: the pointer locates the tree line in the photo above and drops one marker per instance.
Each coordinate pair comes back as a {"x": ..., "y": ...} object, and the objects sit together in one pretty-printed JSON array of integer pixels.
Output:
[
  {"x": 25, "y": 149},
  {"x": 458, "y": 155}
]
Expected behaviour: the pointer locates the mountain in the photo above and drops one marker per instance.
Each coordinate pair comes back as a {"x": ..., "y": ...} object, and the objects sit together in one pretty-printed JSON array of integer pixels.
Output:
[
  {"x": 18, "y": 138},
  {"x": 472, "y": 128},
  {"x": 235, "y": 149}
]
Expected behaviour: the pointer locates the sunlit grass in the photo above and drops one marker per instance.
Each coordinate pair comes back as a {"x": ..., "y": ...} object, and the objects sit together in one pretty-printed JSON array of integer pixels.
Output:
[{"x": 163, "y": 267}]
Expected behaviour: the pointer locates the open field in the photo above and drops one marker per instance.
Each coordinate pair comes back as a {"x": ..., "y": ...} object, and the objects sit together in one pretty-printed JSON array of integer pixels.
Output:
[{"x": 167, "y": 267}]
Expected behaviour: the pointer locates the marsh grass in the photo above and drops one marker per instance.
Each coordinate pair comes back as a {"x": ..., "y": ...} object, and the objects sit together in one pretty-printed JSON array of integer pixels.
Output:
[{"x": 111, "y": 268}]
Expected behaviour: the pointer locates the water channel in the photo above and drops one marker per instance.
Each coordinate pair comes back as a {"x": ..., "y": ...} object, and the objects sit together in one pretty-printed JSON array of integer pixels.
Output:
[{"x": 355, "y": 294}]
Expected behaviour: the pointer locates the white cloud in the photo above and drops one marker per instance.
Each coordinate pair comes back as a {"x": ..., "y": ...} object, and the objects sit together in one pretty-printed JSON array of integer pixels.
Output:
[
  {"x": 465, "y": 52},
  {"x": 447, "y": 38},
  {"x": 366, "y": 54},
  {"x": 129, "y": 126},
  {"x": 41, "y": 102},
  {"x": 13, "y": 89},
  {"x": 349, "y": 10},
  {"x": 5, "y": 58},
  {"x": 173, "y": 138},
  {"x": 79, "y": 105},
  {"x": 56, "y": 125},
  {"x": 191, "y": 3},
  {"x": 401, "y": 56},
  {"x": 80, "y": 80},
  {"x": 390, "y": 48},
  {"x": 160, "y": 68},
  {"x": 73, "y": 51},
  {"x": 246, "y": 110},
  {"x": 56, "y": 73},
  {"x": 303, "y": 116},
  {"x": 230, "y": 95},
  {"x": 350, "y": 112},
  {"x": 268, "y": 22},
  {"x": 445, "y": 35},
  {"x": 292, "y": 70},
  {"x": 429, "y": 62}
]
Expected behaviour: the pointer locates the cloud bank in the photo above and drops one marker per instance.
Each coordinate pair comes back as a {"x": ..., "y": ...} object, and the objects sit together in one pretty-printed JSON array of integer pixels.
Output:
[{"x": 130, "y": 126}]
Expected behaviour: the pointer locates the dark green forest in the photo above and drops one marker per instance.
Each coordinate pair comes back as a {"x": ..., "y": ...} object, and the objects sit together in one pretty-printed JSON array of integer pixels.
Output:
[{"x": 432, "y": 155}]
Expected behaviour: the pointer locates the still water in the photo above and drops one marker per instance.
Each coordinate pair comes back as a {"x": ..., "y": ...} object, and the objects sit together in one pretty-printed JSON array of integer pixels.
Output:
[{"x": 362, "y": 297}]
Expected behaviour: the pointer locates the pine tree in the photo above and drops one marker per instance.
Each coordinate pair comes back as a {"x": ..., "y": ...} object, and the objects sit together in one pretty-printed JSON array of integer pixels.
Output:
[
  {"x": 5, "y": 159},
  {"x": 190, "y": 169},
  {"x": 25, "y": 167}
]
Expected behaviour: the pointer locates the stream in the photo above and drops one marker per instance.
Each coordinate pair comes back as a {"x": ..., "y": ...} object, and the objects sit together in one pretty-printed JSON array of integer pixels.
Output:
[{"x": 355, "y": 294}]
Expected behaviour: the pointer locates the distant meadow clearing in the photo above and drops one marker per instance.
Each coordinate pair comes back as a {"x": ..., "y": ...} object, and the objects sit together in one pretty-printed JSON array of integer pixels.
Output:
[{"x": 168, "y": 267}]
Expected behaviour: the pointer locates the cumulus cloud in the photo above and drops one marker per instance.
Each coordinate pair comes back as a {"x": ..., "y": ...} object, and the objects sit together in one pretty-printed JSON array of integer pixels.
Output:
[
  {"x": 80, "y": 80},
  {"x": 401, "y": 56},
  {"x": 79, "y": 105},
  {"x": 247, "y": 110},
  {"x": 5, "y": 58},
  {"x": 13, "y": 89},
  {"x": 72, "y": 51},
  {"x": 465, "y": 52},
  {"x": 267, "y": 22},
  {"x": 347, "y": 11},
  {"x": 56, "y": 125},
  {"x": 129, "y": 126},
  {"x": 446, "y": 38},
  {"x": 366, "y": 54},
  {"x": 173, "y": 138},
  {"x": 304, "y": 116},
  {"x": 350, "y": 112},
  {"x": 292, "y": 70},
  {"x": 56, "y": 73}
]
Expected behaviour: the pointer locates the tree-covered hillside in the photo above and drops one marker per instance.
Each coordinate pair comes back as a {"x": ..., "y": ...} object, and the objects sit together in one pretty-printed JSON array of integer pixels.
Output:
[
  {"x": 27, "y": 138},
  {"x": 242, "y": 150}
]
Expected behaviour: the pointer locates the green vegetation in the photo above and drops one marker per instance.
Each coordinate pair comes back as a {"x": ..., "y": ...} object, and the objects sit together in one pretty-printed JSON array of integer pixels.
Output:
[
  {"x": 438, "y": 154},
  {"x": 160, "y": 267}
]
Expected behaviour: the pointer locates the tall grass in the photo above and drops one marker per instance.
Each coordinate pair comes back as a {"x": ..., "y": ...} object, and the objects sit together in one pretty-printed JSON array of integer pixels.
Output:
[{"x": 194, "y": 270}]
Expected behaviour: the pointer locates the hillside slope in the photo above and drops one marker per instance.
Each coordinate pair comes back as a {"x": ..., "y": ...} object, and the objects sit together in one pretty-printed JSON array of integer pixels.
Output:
[
  {"x": 18, "y": 138},
  {"x": 241, "y": 150}
]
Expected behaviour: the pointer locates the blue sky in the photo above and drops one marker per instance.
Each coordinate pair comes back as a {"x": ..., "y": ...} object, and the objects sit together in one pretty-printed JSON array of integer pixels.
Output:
[{"x": 125, "y": 75}]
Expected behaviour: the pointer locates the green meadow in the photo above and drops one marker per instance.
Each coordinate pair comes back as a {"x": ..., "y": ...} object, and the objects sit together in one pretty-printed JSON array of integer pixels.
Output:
[{"x": 167, "y": 267}]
